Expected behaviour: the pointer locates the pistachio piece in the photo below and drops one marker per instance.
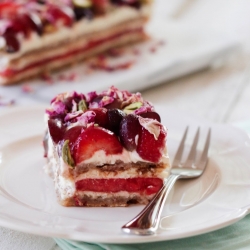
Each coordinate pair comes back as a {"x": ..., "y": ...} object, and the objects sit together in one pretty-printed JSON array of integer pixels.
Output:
[
  {"x": 132, "y": 107},
  {"x": 82, "y": 3},
  {"x": 66, "y": 155},
  {"x": 82, "y": 105}
]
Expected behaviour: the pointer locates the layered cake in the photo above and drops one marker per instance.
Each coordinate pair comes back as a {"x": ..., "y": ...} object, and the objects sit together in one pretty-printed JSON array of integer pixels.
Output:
[
  {"x": 106, "y": 149},
  {"x": 37, "y": 36}
]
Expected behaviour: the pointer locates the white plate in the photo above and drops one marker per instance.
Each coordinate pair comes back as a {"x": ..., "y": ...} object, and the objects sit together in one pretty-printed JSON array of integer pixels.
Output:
[
  {"x": 187, "y": 49},
  {"x": 28, "y": 201}
]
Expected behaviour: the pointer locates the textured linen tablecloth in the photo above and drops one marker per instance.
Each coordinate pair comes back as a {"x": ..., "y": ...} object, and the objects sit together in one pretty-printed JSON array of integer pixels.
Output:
[{"x": 236, "y": 236}]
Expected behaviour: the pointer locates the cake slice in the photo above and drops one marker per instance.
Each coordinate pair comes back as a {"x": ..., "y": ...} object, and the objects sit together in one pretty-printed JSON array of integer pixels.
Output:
[
  {"x": 106, "y": 149},
  {"x": 40, "y": 36}
]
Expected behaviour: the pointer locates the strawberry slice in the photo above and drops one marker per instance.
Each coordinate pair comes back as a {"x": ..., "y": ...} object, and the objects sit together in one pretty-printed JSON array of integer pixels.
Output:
[
  {"x": 148, "y": 147},
  {"x": 93, "y": 139}
]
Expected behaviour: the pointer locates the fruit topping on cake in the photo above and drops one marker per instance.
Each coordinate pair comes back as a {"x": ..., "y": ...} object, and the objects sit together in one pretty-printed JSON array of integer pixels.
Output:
[{"x": 106, "y": 149}]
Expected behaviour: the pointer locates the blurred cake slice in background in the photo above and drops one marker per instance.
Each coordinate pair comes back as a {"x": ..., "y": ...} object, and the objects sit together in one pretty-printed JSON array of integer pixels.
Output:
[{"x": 37, "y": 37}]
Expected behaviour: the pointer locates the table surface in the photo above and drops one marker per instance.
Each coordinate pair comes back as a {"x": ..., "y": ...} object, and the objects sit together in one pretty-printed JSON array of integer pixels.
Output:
[{"x": 220, "y": 94}]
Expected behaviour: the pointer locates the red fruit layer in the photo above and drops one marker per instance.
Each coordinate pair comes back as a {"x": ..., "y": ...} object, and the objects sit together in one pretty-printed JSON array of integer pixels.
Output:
[
  {"x": 91, "y": 45},
  {"x": 146, "y": 186},
  {"x": 94, "y": 139}
]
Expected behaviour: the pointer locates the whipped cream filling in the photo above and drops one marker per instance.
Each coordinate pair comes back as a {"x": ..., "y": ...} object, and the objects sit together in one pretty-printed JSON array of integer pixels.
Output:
[
  {"x": 99, "y": 158},
  {"x": 59, "y": 171},
  {"x": 80, "y": 28}
]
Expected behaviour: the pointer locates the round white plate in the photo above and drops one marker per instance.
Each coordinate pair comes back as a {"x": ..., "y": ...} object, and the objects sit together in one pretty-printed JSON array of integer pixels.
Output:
[{"x": 28, "y": 202}]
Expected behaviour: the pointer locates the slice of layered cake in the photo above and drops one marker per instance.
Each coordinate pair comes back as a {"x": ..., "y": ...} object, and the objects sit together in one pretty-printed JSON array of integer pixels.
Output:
[
  {"x": 38, "y": 36},
  {"x": 106, "y": 149}
]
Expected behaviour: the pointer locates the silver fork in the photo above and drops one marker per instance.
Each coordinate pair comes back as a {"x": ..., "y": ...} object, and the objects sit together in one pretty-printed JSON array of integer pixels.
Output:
[{"x": 147, "y": 221}]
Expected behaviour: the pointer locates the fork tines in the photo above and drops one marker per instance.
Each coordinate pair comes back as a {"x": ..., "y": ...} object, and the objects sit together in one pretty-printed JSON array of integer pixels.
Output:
[{"x": 192, "y": 154}]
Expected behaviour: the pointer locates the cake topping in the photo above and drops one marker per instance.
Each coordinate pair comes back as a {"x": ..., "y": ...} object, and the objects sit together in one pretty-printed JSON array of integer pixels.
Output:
[
  {"x": 129, "y": 130},
  {"x": 56, "y": 129},
  {"x": 82, "y": 3},
  {"x": 71, "y": 135},
  {"x": 84, "y": 119},
  {"x": 57, "y": 15},
  {"x": 104, "y": 128},
  {"x": 66, "y": 155},
  {"x": 151, "y": 125},
  {"x": 132, "y": 107},
  {"x": 150, "y": 114},
  {"x": 115, "y": 117},
  {"x": 148, "y": 147},
  {"x": 82, "y": 105}
]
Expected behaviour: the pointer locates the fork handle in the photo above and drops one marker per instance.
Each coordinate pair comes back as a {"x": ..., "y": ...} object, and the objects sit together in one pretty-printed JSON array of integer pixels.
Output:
[{"x": 147, "y": 221}]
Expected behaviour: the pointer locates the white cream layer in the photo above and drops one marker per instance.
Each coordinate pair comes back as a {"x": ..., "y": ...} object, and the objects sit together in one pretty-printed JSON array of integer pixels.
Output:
[
  {"x": 59, "y": 171},
  {"x": 124, "y": 194},
  {"x": 99, "y": 158},
  {"x": 80, "y": 28}
]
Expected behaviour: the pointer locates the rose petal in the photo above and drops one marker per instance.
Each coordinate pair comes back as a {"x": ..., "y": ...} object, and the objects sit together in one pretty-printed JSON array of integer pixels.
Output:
[
  {"x": 106, "y": 100},
  {"x": 74, "y": 106},
  {"x": 86, "y": 118},
  {"x": 90, "y": 96},
  {"x": 151, "y": 125},
  {"x": 58, "y": 107},
  {"x": 70, "y": 116}
]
